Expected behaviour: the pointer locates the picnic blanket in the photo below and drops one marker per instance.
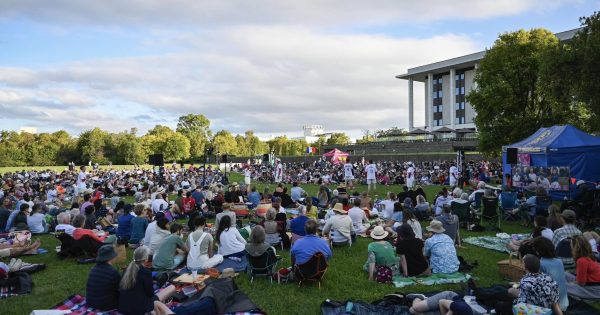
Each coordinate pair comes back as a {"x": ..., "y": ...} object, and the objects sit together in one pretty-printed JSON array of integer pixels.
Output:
[
  {"x": 76, "y": 304},
  {"x": 497, "y": 243},
  {"x": 457, "y": 277}
]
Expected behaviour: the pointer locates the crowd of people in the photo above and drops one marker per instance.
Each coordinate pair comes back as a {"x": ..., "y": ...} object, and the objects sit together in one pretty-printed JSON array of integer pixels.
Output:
[{"x": 88, "y": 207}]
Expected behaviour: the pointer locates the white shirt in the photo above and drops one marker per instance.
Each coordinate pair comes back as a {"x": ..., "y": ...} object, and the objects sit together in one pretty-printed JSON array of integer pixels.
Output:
[
  {"x": 149, "y": 232},
  {"x": 231, "y": 242},
  {"x": 279, "y": 170},
  {"x": 51, "y": 195},
  {"x": 348, "y": 170},
  {"x": 389, "y": 208},
  {"x": 66, "y": 227},
  {"x": 371, "y": 171},
  {"x": 81, "y": 179},
  {"x": 453, "y": 174},
  {"x": 157, "y": 203},
  {"x": 358, "y": 216},
  {"x": 36, "y": 223},
  {"x": 410, "y": 173},
  {"x": 247, "y": 173}
]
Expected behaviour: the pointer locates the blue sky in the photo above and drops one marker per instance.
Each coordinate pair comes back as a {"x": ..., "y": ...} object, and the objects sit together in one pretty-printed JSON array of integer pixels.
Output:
[{"x": 269, "y": 67}]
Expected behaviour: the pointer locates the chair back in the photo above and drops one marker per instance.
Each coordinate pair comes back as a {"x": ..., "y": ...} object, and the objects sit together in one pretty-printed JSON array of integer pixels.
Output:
[
  {"x": 263, "y": 264},
  {"x": 314, "y": 269},
  {"x": 508, "y": 200},
  {"x": 542, "y": 203},
  {"x": 262, "y": 208},
  {"x": 240, "y": 209},
  {"x": 461, "y": 210},
  {"x": 489, "y": 207},
  {"x": 477, "y": 200}
]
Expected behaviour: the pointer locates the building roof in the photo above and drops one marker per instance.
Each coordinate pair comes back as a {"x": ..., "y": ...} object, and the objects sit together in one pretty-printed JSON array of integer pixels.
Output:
[{"x": 420, "y": 73}]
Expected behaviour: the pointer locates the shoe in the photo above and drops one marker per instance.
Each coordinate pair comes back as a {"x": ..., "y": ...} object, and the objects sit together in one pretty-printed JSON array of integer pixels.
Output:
[
  {"x": 16, "y": 266},
  {"x": 412, "y": 296}
]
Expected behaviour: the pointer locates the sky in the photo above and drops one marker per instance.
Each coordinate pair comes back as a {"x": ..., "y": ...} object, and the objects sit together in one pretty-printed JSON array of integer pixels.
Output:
[{"x": 267, "y": 66}]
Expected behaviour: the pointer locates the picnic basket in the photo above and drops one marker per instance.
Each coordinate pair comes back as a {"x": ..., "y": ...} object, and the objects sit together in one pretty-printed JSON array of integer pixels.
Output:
[{"x": 512, "y": 268}]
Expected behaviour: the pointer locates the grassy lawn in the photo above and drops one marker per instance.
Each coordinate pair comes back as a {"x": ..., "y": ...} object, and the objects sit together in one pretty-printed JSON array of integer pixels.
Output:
[{"x": 344, "y": 280}]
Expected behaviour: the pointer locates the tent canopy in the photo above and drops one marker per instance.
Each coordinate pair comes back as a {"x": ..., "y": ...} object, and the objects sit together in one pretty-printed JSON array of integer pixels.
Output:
[
  {"x": 561, "y": 146},
  {"x": 335, "y": 152},
  {"x": 556, "y": 138}
]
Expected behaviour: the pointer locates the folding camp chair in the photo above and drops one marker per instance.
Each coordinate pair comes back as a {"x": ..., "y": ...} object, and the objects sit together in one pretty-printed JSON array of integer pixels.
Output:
[
  {"x": 508, "y": 204},
  {"x": 312, "y": 270},
  {"x": 462, "y": 211},
  {"x": 263, "y": 265},
  {"x": 262, "y": 208},
  {"x": 490, "y": 211},
  {"x": 476, "y": 203}
]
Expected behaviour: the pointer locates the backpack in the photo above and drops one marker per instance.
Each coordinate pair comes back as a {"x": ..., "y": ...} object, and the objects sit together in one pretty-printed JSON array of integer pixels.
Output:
[{"x": 383, "y": 274}]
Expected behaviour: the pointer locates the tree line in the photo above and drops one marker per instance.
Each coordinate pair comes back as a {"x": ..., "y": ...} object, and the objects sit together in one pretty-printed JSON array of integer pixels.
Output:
[
  {"x": 190, "y": 141},
  {"x": 531, "y": 79}
]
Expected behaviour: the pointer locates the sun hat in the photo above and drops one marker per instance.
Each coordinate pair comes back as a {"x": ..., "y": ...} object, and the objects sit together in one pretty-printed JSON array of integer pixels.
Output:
[
  {"x": 379, "y": 233},
  {"x": 579, "y": 182},
  {"x": 569, "y": 214},
  {"x": 338, "y": 207},
  {"x": 436, "y": 226},
  {"x": 106, "y": 253}
]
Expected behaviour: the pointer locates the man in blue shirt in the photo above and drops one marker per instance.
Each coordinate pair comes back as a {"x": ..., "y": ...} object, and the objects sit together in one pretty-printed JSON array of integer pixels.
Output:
[
  {"x": 198, "y": 196},
  {"x": 304, "y": 248},
  {"x": 297, "y": 224},
  {"x": 297, "y": 192},
  {"x": 254, "y": 197}
]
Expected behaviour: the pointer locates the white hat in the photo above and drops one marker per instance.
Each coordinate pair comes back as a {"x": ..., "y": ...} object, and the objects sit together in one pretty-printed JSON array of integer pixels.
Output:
[{"x": 379, "y": 233}]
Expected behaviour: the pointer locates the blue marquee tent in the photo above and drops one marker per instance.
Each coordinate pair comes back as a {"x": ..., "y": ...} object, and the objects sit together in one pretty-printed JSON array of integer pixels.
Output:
[{"x": 561, "y": 146}]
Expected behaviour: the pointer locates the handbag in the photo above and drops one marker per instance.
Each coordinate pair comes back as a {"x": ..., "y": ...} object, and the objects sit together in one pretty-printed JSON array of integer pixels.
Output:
[{"x": 383, "y": 274}]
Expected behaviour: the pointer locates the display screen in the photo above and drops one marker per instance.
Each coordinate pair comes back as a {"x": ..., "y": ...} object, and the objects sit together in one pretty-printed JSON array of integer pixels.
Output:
[{"x": 550, "y": 178}]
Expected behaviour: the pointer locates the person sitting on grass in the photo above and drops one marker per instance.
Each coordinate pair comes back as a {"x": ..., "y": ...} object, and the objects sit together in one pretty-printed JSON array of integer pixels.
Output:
[
  {"x": 136, "y": 292},
  {"x": 539, "y": 229},
  {"x": 124, "y": 221},
  {"x": 340, "y": 225},
  {"x": 297, "y": 225},
  {"x": 409, "y": 218},
  {"x": 64, "y": 223},
  {"x": 226, "y": 212},
  {"x": 201, "y": 255},
  {"x": 536, "y": 288},
  {"x": 422, "y": 209},
  {"x": 586, "y": 285},
  {"x": 80, "y": 231},
  {"x": 410, "y": 252},
  {"x": 381, "y": 258},
  {"x": 311, "y": 211},
  {"x": 102, "y": 288},
  {"x": 161, "y": 232},
  {"x": 358, "y": 216},
  {"x": 553, "y": 267},
  {"x": 450, "y": 224},
  {"x": 172, "y": 250},
  {"x": 37, "y": 221},
  {"x": 231, "y": 242},
  {"x": 20, "y": 221},
  {"x": 440, "y": 250},
  {"x": 304, "y": 248},
  {"x": 139, "y": 224}
]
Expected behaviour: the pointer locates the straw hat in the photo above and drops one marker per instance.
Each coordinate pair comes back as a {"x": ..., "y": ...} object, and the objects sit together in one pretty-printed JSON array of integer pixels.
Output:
[
  {"x": 436, "y": 226},
  {"x": 338, "y": 207},
  {"x": 379, "y": 233}
]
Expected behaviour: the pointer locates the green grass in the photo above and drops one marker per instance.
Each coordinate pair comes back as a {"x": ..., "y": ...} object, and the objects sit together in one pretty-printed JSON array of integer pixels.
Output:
[{"x": 344, "y": 279}]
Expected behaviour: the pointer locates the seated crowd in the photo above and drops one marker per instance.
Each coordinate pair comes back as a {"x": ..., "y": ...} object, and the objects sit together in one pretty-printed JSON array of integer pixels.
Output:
[{"x": 399, "y": 245}]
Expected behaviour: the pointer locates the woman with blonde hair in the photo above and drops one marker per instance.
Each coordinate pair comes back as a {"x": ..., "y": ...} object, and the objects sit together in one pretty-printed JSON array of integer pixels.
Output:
[{"x": 136, "y": 294}]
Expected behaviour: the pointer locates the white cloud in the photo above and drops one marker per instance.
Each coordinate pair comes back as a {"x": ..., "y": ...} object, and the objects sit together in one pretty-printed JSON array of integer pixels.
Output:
[{"x": 269, "y": 79}]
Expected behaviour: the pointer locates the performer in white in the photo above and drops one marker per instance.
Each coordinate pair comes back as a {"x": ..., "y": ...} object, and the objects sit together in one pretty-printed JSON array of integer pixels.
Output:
[
  {"x": 410, "y": 175},
  {"x": 453, "y": 175},
  {"x": 81, "y": 185},
  {"x": 247, "y": 176},
  {"x": 348, "y": 174},
  {"x": 278, "y": 171},
  {"x": 371, "y": 176}
]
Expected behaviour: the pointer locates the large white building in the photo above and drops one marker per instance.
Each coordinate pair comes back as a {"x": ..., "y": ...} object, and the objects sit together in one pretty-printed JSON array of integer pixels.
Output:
[{"x": 446, "y": 84}]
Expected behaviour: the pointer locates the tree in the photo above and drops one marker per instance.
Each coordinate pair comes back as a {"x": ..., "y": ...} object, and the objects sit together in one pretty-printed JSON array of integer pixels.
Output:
[
  {"x": 224, "y": 143},
  {"x": 338, "y": 138},
  {"x": 161, "y": 139},
  {"x": 91, "y": 145},
  {"x": 197, "y": 129},
  {"x": 510, "y": 100},
  {"x": 585, "y": 65}
]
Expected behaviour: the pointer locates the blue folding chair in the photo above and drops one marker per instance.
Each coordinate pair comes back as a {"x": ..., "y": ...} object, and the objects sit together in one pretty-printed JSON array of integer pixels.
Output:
[{"x": 508, "y": 204}]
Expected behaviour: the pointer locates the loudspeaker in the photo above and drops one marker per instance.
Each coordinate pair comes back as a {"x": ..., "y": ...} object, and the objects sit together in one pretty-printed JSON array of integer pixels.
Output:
[
  {"x": 265, "y": 158},
  {"x": 156, "y": 159},
  {"x": 512, "y": 156},
  {"x": 224, "y": 158}
]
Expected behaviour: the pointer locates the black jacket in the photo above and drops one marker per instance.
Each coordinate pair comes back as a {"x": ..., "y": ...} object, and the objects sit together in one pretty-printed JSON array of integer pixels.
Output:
[{"x": 102, "y": 288}]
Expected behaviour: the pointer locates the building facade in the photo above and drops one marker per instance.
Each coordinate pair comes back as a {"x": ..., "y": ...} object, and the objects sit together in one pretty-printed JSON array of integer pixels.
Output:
[{"x": 446, "y": 85}]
